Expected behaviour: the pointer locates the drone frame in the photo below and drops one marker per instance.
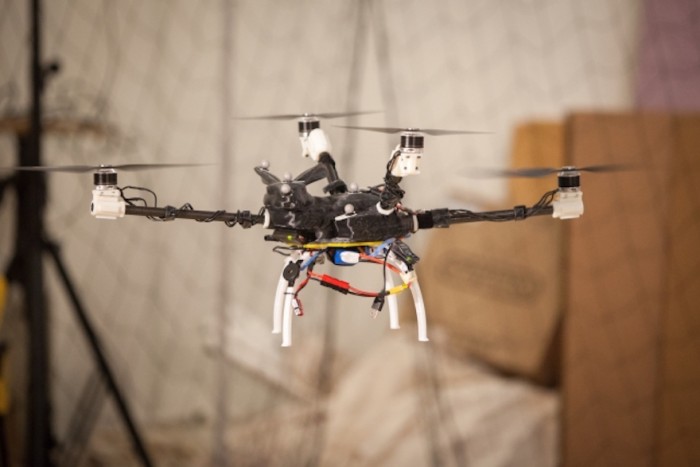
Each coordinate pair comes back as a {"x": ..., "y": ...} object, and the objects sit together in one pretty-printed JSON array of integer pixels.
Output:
[{"x": 348, "y": 226}]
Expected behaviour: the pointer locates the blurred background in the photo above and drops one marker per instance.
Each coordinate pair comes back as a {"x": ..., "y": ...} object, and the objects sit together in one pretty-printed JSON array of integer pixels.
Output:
[{"x": 552, "y": 343}]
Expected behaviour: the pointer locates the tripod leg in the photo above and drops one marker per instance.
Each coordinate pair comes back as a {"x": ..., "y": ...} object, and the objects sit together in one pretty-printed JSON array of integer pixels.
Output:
[{"x": 98, "y": 354}]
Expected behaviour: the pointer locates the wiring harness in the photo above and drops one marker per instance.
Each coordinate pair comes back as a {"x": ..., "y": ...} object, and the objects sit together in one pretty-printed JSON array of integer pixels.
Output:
[
  {"x": 375, "y": 255},
  {"x": 138, "y": 205}
]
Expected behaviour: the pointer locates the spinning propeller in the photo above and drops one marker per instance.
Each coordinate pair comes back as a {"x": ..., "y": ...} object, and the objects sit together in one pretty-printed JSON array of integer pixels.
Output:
[
  {"x": 104, "y": 175},
  {"x": 538, "y": 172},
  {"x": 431, "y": 132},
  {"x": 308, "y": 121},
  {"x": 411, "y": 138},
  {"x": 327, "y": 115},
  {"x": 405, "y": 160},
  {"x": 97, "y": 168}
]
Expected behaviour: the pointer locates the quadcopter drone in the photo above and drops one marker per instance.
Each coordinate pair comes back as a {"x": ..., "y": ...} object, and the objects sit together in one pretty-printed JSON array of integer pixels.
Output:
[{"x": 346, "y": 226}]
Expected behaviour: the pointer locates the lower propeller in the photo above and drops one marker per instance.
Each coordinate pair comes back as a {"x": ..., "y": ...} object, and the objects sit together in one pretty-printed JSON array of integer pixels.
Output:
[{"x": 537, "y": 172}]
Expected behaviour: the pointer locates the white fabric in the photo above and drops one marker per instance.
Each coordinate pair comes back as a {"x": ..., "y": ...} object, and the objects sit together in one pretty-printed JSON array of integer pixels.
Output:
[{"x": 405, "y": 404}]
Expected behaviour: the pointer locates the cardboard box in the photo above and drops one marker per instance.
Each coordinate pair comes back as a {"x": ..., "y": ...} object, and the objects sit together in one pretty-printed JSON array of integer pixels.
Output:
[
  {"x": 495, "y": 288},
  {"x": 632, "y": 332}
]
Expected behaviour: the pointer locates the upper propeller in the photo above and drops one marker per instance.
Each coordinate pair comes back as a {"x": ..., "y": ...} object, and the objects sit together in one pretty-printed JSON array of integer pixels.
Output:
[
  {"x": 308, "y": 121},
  {"x": 308, "y": 115},
  {"x": 431, "y": 132},
  {"x": 412, "y": 140}
]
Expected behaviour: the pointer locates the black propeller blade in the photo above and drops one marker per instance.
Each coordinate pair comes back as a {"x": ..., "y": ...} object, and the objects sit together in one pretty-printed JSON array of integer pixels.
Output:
[
  {"x": 93, "y": 168},
  {"x": 431, "y": 132},
  {"x": 537, "y": 172},
  {"x": 327, "y": 115}
]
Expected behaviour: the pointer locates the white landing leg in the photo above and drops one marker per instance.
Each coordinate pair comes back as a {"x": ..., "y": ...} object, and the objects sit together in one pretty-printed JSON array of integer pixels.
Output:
[
  {"x": 279, "y": 299},
  {"x": 393, "y": 303},
  {"x": 420, "y": 311},
  {"x": 287, "y": 317},
  {"x": 409, "y": 277}
]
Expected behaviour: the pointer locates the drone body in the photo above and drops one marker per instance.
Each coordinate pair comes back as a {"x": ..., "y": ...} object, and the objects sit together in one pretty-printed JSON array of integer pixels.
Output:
[
  {"x": 347, "y": 225},
  {"x": 298, "y": 217}
]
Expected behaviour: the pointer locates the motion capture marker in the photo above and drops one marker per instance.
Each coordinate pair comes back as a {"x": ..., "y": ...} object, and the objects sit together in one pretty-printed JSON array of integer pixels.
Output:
[
  {"x": 265, "y": 164},
  {"x": 287, "y": 177},
  {"x": 353, "y": 188},
  {"x": 349, "y": 209},
  {"x": 105, "y": 177},
  {"x": 285, "y": 189}
]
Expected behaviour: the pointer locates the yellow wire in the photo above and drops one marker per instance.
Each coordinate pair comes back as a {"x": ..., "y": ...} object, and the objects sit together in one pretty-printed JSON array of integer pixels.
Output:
[
  {"x": 397, "y": 289},
  {"x": 320, "y": 246}
]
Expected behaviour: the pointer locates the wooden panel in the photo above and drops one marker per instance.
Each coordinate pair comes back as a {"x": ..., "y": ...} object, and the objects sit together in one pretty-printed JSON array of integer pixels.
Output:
[{"x": 616, "y": 291}]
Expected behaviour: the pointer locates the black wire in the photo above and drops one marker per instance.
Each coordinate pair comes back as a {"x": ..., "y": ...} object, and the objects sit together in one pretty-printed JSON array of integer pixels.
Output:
[
  {"x": 504, "y": 216},
  {"x": 172, "y": 213},
  {"x": 284, "y": 250},
  {"x": 215, "y": 216},
  {"x": 391, "y": 162},
  {"x": 138, "y": 188},
  {"x": 545, "y": 201},
  {"x": 386, "y": 257}
]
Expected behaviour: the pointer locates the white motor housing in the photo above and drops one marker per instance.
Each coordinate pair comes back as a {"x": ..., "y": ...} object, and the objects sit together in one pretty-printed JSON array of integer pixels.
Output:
[
  {"x": 568, "y": 204},
  {"x": 410, "y": 151},
  {"x": 107, "y": 203},
  {"x": 315, "y": 143},
  {"x": 407, "y": 162}
]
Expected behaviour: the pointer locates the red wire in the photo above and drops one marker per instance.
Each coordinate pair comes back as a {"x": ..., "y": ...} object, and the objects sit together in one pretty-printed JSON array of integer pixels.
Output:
[{"x": 353, "y": 290}]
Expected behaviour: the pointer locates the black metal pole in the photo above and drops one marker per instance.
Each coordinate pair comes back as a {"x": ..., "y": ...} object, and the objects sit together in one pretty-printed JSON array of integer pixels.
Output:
[
  {"x": 31, "y": 200},
  {"x": 101, "y": 360},
  {"x": 27, "y": 269}
]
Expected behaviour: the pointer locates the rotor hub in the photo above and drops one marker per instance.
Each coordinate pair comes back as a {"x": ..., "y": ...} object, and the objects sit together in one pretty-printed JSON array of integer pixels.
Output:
[
  {"x": 411, "y": 140},
  {"x": 307, "y": 124},
  {"x": 569, "y": 179},
  {"x": 105, "y": 177}
]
